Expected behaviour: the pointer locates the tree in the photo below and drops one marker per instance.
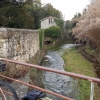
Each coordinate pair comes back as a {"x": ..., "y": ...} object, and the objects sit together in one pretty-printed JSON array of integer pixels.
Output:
[
  {"x": 51, "y": 11},
  {"x": 15, "y": 3},
  {"x": 39, "y": 12},
  {"x": 77, "y": 15},
  {"x": 88, "y": 25},
  {"x": 17, "y": 19},
  {"x": 12, "y": 16},
  {"x": 36, "y": 11}
]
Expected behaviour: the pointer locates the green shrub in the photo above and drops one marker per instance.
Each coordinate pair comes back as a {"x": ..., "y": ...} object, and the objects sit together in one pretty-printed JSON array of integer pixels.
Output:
[{"x": 53, "y": 32}]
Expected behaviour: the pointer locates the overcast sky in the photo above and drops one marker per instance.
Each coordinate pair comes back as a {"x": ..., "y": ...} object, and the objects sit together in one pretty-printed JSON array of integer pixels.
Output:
[{"x": 68, "y": 7}]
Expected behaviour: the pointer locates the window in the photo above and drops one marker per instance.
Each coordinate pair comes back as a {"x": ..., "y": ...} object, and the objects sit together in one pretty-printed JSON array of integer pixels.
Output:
[{"x": 50, "y": 21}]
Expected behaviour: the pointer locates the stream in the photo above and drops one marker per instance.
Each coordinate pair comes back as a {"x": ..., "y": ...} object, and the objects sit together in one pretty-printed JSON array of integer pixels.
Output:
[{"x": 61, "y": 84}]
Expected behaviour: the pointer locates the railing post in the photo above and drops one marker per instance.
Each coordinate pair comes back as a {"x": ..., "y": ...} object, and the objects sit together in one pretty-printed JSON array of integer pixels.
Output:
[
  {"x": 92, "y": 90},
  {"x": 3, "y": 94}
]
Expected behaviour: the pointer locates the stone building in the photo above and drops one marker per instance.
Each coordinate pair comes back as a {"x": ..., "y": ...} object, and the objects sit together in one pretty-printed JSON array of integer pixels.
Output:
[
  {"x": 47, "y": 22},
  {"x": 50, "y": 21}
]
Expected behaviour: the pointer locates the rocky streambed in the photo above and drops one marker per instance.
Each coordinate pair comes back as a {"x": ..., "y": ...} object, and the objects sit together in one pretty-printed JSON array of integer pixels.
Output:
[{"x": 61, "y": 84}]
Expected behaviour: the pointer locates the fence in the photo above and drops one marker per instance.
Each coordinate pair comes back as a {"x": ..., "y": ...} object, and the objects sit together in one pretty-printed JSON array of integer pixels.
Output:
[{"x": 91, "y": 79}]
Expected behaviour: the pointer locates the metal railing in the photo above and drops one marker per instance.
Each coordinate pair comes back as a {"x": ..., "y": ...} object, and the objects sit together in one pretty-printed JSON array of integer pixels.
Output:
[{"x": 91, "y": 79}]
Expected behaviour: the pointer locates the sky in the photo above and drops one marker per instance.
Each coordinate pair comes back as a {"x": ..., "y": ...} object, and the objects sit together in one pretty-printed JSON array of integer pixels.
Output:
[{"x": 68, "y": 7}]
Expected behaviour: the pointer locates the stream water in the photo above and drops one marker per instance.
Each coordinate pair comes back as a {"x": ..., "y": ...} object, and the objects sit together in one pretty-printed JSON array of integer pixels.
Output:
[{"x": 61, "y": 84}]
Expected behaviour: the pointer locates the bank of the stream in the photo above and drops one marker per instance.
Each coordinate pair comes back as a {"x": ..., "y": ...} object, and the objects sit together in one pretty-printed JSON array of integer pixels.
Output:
[{"x": 76, "y": 63}]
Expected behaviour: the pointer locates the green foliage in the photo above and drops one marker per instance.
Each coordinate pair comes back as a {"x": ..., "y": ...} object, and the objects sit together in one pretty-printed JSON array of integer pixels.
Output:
[
  {"x": 3, "y": 18},
  {"x": 12, "y": 3},
  {"x": 53, "y": 32},
  {"x": 74, "y": 23},
  {"x": 36, "y": 11},
  {"x": 51, "y": 11},
  {"x": 39, "y": 12},
  {"x": 59, "y": 23},
  {"x": 41, "y": 38},
  {"x": 16, "y": 17},
  {"x": 77, "y": 15},
  {"x": 70, "y": 25}
]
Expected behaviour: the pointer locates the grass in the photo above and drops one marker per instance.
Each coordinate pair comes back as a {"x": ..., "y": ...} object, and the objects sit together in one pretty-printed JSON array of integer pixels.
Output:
[{"x": 76, "y": 63}]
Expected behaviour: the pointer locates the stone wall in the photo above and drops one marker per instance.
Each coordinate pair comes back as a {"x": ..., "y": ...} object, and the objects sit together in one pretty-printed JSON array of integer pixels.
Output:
[
  {"x": 18, "y": 44},
  {"x": 21, "y": 45}
]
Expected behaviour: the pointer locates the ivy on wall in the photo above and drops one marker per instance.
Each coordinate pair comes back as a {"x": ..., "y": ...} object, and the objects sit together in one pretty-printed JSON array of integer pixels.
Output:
[{"x": 41, "y": 38}]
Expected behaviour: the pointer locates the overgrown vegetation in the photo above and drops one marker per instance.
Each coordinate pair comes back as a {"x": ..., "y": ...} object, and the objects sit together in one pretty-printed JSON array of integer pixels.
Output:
[
  {"x": 41, "y": 38},
  {"x": 54, "y": 32},
  {"x": 75, "y": 63}
]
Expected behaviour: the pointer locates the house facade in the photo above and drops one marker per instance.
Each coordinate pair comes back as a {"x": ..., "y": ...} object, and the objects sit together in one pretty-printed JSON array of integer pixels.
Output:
[
  {"x": 50, "y": 21},
  {"x": 47, "y": 22}
]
